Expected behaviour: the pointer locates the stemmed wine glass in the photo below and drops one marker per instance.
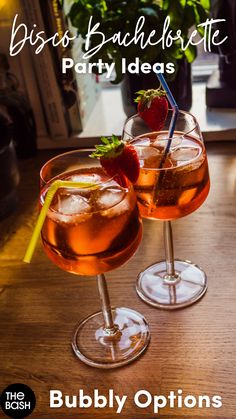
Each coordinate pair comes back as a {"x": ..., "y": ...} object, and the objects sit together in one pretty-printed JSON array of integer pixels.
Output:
[
  {"x": 90, "y": 231},
  {"x": 170, "y": 187}
]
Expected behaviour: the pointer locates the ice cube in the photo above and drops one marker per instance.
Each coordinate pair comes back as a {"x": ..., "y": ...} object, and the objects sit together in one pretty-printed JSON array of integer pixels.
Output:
[
  {"x": 145, "y": 141},
  {"x": 162, "y": 136},
  {"x": 88, "y": 178},
  {"x": 162, "y": 140},
  {"x": 149, "y": 157},
  {"x": 72, "y": 204},
  {"x": 147, "y": 151},
  {"x": 176, "y": 142},
  {"x": 123, "y": 206},
  {"x": 184, "y": 154},
  {"x": 109, "y": 197},
  {"x": 84, "y": 192}
]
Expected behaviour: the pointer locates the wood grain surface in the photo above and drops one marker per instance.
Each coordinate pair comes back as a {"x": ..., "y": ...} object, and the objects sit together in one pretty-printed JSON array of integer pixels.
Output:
[{"x": 193, "y": 349}]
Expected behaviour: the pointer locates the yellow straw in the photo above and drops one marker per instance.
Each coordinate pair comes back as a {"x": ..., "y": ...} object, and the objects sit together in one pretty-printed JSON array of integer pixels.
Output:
[{"x": 43, "y": 213}]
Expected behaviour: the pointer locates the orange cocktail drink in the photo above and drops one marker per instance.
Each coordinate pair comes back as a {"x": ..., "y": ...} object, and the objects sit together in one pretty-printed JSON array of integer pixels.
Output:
[
  {"x": 173, "y": 182},
  {"x": 180, "y": 185},
  {"x": 91, "y": 225},
  {"x": 90, "y": 231}
]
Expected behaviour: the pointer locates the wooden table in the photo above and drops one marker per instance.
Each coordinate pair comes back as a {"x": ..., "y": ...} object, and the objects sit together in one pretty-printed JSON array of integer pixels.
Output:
[{"x": 192, "y": 349}]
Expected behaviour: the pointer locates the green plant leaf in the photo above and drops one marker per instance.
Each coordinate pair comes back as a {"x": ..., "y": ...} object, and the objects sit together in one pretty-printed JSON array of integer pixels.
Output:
[
  {"x": 79, "y": 20},
  {"x": 176, "y": 51},
  {"x": 191, "y": 53},
  {"x": 176, "y": 12},
  {"x": 165, "y": 4},
  {"x": 206, "y": 4},
  {"x": 203, "y": 13},
  {"x": 189, "y": 19},
  {"x": 116, "y": 16}
]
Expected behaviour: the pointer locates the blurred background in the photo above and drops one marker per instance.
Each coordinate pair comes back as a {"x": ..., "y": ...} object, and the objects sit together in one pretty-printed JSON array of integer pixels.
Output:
[{"x": 50, "y": 110}]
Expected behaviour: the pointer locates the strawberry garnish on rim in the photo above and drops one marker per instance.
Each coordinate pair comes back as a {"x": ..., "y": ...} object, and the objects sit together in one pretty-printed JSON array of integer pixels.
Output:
[
  {"x": 153, "y": 107},
  {"x": 117, "y": 158}
]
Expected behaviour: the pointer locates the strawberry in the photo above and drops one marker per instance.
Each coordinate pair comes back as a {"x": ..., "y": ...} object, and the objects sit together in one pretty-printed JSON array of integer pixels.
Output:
[
  {"x": 153, "y": 107},
  {"x": 118, "y": 157}
]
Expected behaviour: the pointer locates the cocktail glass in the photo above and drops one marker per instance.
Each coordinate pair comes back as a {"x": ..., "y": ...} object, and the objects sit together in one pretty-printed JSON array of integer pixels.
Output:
[
  {"x": 90, "y": 231},
  {"x": 170, "y": 187}
]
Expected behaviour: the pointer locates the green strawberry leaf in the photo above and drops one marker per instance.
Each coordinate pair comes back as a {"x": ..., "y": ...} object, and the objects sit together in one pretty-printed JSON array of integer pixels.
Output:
[{"x": 111, "y": 147}]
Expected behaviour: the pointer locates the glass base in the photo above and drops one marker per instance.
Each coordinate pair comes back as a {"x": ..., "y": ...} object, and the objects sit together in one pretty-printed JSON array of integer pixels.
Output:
[
  {"x": 155, "y": 288},
  {"x": 98, "y": 348}
]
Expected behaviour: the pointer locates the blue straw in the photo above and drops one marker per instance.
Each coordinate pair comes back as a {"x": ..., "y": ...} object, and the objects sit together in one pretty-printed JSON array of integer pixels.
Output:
[{"x": 174, "y": 107}]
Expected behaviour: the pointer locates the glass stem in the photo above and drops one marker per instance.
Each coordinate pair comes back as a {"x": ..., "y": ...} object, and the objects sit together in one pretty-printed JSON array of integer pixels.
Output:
[
  {"x": 109, "y": 327},
  {"x": 169, "y": 250}
]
